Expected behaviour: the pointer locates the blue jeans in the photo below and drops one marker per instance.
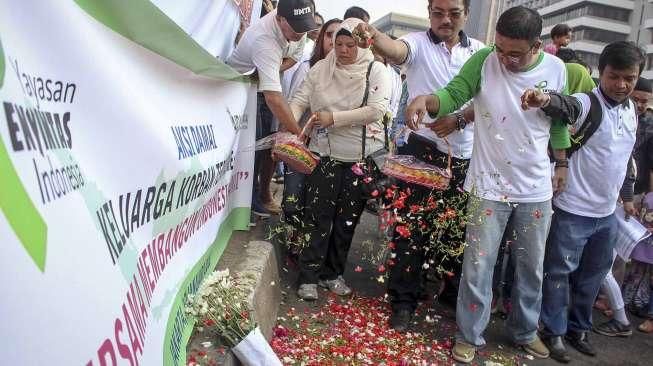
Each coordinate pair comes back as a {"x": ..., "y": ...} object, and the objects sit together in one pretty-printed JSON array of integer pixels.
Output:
[
  {"x": 578, "y": 256},
  {"x": 488, "y": 221}
]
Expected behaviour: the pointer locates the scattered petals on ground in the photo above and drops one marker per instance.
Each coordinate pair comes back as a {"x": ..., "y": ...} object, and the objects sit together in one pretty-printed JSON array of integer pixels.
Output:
[{"x": 353, "y": 332}]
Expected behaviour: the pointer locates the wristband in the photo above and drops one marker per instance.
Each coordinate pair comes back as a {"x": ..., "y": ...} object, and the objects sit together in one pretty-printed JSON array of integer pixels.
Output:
[{"x": 562, "y": 163}]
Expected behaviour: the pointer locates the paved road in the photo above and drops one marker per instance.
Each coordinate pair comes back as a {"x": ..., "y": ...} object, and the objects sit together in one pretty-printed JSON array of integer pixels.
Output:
[{"x": 636, "y": 350}]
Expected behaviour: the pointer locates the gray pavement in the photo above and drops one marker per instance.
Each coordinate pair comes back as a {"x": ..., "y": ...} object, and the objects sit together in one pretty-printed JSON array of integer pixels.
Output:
[{"x": 635, "y": 350}]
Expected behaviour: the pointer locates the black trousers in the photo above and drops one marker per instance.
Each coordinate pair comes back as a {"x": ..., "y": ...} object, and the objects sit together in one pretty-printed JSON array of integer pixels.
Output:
[
  {"x": 264, "y": 118},
  {"x": 411, "y": 253},
  {"x": 293, "y": 197},
  {"x": 333, "y": 208}
]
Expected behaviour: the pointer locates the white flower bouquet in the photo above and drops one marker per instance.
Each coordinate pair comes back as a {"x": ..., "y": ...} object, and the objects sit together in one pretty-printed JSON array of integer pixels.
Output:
[{"x": 221, "y": 305}]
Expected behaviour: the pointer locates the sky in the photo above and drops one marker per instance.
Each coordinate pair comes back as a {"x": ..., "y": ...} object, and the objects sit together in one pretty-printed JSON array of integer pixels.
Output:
[{"x": 377, "y": 8}]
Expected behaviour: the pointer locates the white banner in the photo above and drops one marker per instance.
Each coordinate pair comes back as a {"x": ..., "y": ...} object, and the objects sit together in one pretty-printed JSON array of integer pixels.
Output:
[
  {"x": 213, "y": 24},
  {"x": 122, "y": 177}
]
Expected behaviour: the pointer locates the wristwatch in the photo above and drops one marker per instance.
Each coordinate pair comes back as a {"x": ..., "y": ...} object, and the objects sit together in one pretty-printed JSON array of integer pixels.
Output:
[{"x": 461, "y": 123}]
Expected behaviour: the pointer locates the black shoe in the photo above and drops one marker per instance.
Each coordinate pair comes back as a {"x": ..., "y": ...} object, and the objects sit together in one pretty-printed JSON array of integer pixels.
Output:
[
  {"x": 580, "y": 341},
  {"x": 557, "y": 349},
  {"x": 613, "y": 328},
  {"x": 400, "y": 320}
]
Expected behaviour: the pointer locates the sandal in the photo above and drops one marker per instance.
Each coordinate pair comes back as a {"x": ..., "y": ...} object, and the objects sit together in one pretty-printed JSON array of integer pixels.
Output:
[
  {"x": 646, "y": 327},
  {"x": 601, "y": 304}
]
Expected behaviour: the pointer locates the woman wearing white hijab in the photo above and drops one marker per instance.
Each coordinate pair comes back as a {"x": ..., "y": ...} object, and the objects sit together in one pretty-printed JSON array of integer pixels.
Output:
[{"x": 334, "y": 89}]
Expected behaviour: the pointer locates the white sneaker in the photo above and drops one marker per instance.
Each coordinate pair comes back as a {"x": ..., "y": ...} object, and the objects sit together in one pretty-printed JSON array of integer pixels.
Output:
[
  {"x": 337, "y": 286},
  {"x": 307, "y": 291}
]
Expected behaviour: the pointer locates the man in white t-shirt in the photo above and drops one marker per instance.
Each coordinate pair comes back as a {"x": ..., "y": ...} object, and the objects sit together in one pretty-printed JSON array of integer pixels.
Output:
[
  {"x": 509, "y": 178},
  {"x": 431, "y": 59},
  {"x": 584, "y": 226},
  {"x": 266, "y": 47}
]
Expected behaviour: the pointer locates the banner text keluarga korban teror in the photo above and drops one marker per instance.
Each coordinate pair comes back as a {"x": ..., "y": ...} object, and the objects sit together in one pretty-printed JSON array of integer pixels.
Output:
[{"x": 126, "y": 153}]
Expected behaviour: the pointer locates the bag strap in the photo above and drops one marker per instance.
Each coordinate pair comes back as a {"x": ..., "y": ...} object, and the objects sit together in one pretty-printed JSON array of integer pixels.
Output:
[
  {"x": 589, "y": 126},
  {"x": 365, "y": 96},
  {"x": 386, "y": 143}
]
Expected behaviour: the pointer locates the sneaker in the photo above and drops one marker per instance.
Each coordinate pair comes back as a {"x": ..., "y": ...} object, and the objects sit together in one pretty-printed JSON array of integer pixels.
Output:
[
  {"x": 463, "y": 352},
  {"x": 613, "y": 328},
  {"x": 337, "y": 286},
  {"x": 307, "y": 291},
  {"x": 537, "y": 348}
]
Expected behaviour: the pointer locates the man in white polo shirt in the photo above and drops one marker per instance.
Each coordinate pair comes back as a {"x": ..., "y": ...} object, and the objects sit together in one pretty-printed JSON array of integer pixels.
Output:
[
  {"x": 266, "y": 48},
  {"x": 584, "y": 227},
  {"x": 509, "y": 177},
  {"x": 431, "y": 59}
]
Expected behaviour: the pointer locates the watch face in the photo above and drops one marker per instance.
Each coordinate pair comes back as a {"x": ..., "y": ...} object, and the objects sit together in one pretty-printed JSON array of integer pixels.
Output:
[{"x": 460, "y": 122}]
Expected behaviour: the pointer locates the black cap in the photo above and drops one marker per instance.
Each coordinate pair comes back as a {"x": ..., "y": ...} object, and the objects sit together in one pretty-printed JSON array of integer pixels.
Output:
[{"x": 299, "y": 14}]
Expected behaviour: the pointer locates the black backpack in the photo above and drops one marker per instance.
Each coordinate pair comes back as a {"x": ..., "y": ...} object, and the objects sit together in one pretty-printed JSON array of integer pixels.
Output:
[{"x": 589, "y": 126}]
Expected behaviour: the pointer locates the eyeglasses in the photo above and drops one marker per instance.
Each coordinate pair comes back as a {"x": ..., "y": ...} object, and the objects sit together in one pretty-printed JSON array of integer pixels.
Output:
[
  {"x": 513, "y": 57},
  {"x": 453, "y": 15}
]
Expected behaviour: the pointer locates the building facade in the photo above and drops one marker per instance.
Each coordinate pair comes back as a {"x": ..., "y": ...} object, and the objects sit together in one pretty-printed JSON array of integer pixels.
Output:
[
  {"x": 482, "y": 19},
  {"x": 596, "y": 23},
  {"x": 395, "y": 24}
]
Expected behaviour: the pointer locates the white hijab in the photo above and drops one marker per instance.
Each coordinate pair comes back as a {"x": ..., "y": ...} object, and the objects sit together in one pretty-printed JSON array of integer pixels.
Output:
[{"x": 349, "y": 78}]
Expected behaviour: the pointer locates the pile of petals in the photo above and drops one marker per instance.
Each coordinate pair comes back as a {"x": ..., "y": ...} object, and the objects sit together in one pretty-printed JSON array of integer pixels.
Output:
[{"x": 353, "y": 332}]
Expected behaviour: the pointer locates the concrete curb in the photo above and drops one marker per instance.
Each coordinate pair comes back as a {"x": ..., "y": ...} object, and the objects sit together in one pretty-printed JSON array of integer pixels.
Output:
[{"x": 257, "y": 257}]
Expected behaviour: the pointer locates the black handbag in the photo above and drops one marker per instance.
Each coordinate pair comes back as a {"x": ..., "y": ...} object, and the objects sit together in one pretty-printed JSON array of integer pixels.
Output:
[{"x": 374, "y": 181}]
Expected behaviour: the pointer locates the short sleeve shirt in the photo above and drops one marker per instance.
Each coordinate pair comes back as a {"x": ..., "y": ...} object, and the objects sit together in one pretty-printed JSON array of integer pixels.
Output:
[
  {"x": 262, "y": 48},
  {"x": 598, "y": 168},
  {"x": 429, "y": 67}
]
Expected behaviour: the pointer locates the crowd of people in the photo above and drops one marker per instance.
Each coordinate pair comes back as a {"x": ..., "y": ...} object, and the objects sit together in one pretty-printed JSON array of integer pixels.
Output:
[{"x": 542, "y": 162}]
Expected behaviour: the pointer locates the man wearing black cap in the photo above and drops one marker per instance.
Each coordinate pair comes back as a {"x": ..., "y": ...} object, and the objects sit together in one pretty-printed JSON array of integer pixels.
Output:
[{"x": 266, "y": 47}]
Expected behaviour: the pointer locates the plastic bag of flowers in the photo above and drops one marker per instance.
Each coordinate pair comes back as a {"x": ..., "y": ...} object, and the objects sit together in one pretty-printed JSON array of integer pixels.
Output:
[{"x": 220, "y": 305}]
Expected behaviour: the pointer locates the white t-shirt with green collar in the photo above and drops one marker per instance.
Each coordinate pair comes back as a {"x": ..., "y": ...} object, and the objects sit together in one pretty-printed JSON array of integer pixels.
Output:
[{"x": 510, "y": 161}]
